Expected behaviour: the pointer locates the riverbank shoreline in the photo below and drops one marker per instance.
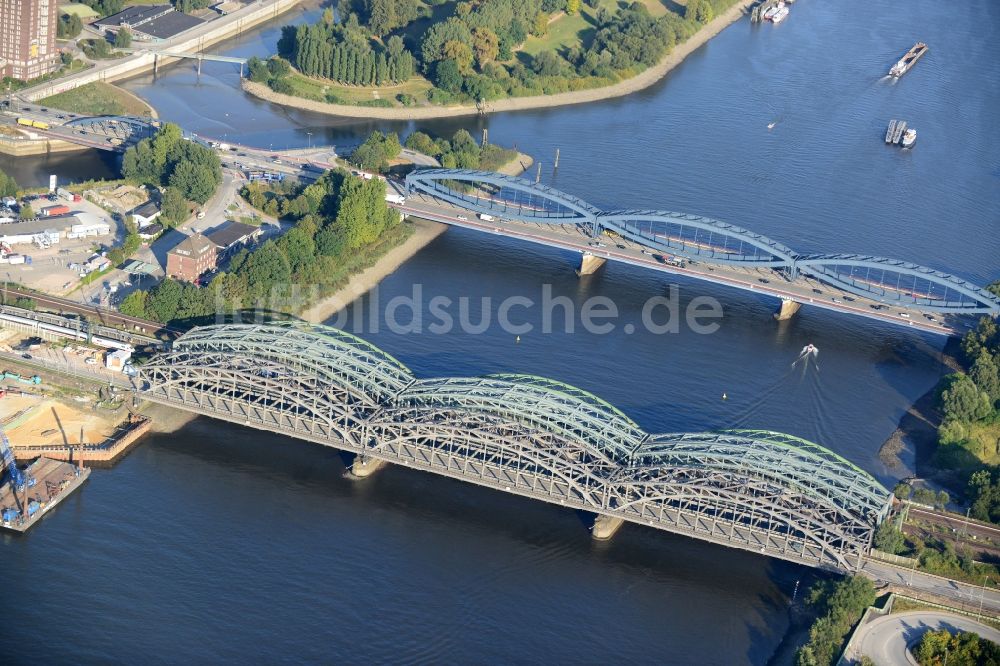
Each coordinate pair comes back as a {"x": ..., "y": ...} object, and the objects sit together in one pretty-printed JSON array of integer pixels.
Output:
[
  {"x": 424, "y": 231},
  {"x": 638, "y": 82},
  {"x": 918, "y": 426}
]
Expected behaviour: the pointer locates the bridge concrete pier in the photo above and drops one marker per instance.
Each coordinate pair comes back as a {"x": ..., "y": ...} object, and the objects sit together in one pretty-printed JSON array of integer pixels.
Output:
[
  {"x": 365, "y": 467},
  {"x": 590, "y": 264},
  {"x": 787, "y": 309},
  {"x": 606, "y": 527}
]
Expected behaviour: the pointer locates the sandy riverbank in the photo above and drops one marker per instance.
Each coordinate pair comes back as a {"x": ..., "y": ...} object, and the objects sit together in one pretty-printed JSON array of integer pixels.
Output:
[
  {"x": 424, "y": 231},
  {"x": 642, "y": 80}
]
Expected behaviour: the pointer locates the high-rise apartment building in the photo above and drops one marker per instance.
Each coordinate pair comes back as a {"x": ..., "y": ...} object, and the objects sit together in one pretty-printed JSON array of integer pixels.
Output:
[{"x": 28, "y": 37}]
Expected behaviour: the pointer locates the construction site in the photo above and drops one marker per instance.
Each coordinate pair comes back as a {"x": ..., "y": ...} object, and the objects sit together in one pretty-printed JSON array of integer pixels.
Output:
[{"x": 59, "y": 425}]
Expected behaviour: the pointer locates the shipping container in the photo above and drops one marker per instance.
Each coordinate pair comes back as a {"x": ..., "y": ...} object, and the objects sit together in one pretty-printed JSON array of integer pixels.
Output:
[{"x": 49, "y": 211}]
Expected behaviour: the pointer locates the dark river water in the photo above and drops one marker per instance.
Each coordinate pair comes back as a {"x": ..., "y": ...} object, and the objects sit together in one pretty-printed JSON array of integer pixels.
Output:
[{"x": 219, "y": 543}]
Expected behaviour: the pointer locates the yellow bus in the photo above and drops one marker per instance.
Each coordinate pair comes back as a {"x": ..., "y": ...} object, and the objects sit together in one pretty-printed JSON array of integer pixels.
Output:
[
  {"x": 24, "y": 121},
  {"x": 39, "y": 124}
]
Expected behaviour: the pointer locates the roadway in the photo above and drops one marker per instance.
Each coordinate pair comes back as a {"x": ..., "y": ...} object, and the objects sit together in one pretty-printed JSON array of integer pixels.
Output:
[
  {"x": 962, "y": 593},
  {"x": 766, "y": 281},
  {"x": 888, "y": 640}
]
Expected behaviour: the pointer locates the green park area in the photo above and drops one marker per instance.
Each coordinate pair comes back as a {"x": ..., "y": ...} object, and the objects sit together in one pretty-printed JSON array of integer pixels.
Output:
[
  {"x": 98, "y": 99},
  {"x": 399, "y": 53},
  {"x": 85, "y": 12}
]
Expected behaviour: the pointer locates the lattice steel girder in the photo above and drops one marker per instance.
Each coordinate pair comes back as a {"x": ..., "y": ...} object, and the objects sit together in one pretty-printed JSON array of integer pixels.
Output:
[
  {"x": 713, "y": 248},
  {"x": 543, "y": 438},
  {"x": 823, "y": 268},
  {"x": 334, "y": 355},
  {"x": 429, "y": 181},
  {"x": 787, "y": 461},
  {"x": 576, "y": 416}
]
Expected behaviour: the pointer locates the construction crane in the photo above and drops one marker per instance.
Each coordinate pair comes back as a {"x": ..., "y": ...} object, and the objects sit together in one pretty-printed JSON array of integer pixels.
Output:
[{"x": 18, "y": 480}]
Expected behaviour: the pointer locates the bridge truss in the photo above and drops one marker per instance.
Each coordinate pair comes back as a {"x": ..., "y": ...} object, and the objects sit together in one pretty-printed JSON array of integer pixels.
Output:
[
  {"x": 889, "y": 281},
  {"x": 122, "y": 130},
  {"x": 756, "y": 490}
]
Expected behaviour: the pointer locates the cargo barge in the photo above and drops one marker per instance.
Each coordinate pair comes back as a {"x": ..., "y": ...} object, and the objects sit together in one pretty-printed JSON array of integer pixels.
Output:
[
  {"x": 48, "y": 483},
  {"x": 907, "y": 61}
]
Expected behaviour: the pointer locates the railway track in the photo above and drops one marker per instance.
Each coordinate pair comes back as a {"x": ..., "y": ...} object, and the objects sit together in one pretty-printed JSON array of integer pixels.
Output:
[{"x": 103, "y": 315}]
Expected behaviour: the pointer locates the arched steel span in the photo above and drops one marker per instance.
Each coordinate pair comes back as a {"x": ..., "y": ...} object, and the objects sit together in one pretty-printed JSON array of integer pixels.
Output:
[
  {"x": 756, "y": 490},
  {"x": 886, "y": 280}
]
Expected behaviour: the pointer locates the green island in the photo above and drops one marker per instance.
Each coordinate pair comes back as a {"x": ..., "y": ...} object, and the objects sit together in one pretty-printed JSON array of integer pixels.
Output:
[{"x": 420, "y": 54}]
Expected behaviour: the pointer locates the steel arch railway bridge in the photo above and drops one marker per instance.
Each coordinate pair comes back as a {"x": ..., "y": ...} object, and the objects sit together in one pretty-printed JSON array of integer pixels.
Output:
[
  {"x": 699, "y": 239},
  {"x": 760, "y": 491}
]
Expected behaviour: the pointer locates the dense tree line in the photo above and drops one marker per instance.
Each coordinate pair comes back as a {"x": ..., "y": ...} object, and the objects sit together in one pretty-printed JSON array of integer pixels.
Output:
[
  {"x": 336, "y": 218},
  {"x": 970, "y": 420},
  {"x": 839, "y": 605},
  {"x": 188, "y": 169},
  {"x": 345, "y": 53},
  {"x": 937, "y": 648}
]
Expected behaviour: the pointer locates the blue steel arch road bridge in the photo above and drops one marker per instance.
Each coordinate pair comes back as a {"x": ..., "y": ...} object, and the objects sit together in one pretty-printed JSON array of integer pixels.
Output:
[
  {"x": 887, "y": 289},
  {"x": 756, "y": 490}
]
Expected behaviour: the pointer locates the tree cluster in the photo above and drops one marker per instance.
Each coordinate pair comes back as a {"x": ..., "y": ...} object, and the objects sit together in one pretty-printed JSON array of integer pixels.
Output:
[
  {"x": 937, "y": 648},
  {"x": 8, "y": 186},
  {"x": 376, "y": 151},
  {"x": 192, "y": 170},
  {"x": 97, "y": 49},
  {"x": 839, "y": 605},
  {"x": 105, "y": 7},
  {"x": 470, "y": 52},
  {"x": 345, "y": 52},
  {"x": 335, "y": 218},
  {"x": 188, "y": 6},
  {"x": 130, "y": 245},
  {"x": 69, "y": 26},
  {"x": 461, "y": 152},
  {"x": 967, "y": 401}
]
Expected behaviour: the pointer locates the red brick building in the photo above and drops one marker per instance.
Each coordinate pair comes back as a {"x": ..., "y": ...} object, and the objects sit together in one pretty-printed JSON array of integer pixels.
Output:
[
  {"x": 193, "y": 256},
  {"x": 28, "y": 38}
]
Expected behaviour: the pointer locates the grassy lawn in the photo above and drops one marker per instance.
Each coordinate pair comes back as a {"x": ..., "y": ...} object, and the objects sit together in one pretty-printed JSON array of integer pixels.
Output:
[
  {"x": 316, "y": 89},
  {"x": 97, "y": 99},
  {"x": 83, "y": 11},
  {"x": 568, "y": 31}
]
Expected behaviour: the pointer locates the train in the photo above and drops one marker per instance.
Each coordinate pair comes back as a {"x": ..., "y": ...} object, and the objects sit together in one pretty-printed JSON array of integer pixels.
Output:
[
  {"x": 65, "y": 331},
  {"x": 28, "y": 122}
]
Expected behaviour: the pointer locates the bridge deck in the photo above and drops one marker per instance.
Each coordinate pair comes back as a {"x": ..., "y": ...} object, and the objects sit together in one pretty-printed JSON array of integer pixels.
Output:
[{"x": 574, "y": 238}]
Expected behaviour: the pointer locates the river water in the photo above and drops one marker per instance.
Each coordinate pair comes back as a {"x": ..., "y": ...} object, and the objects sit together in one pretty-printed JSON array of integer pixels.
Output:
[{"x": 222, "y": 543}]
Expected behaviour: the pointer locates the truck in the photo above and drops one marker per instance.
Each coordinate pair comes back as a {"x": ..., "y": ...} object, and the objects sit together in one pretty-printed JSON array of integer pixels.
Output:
[
  {"x": 224, "y": 146},
  {"x": 487, "y": 218},
  {"x": 50, "y": 211},
  {"x": 397, "y": 199}
]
